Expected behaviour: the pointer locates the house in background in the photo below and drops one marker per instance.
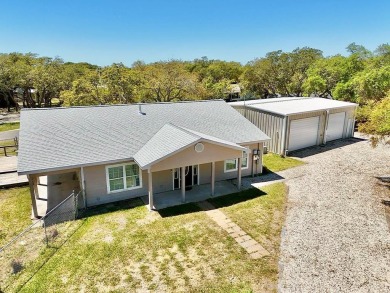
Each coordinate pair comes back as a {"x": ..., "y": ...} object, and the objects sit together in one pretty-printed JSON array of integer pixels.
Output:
[
  {"x": 297, "y": 122},
  {"x": 118, "y": 152}
]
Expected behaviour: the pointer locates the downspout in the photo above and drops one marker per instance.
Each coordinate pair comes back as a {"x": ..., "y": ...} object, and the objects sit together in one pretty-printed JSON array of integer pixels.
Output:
[
  {"x": 283, "y": 150},
  {"x": 252, "y": 162},
  {"x": 257, "y": 161},
  {"x": 326, "y": 127}
]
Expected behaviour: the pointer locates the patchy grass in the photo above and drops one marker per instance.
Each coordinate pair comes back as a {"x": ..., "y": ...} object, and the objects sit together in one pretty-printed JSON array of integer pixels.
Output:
[
  {"x": 275, "y": 163},
  {"x": 260, "y": 213},
  {"x": 123, "y": 247},
  {"x": 15, "y": 212},
  {"x": 9, "y": 126}
]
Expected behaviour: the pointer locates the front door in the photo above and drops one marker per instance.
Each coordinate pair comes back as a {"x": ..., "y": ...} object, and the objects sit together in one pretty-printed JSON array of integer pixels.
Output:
[{"x": 191, "y": 173}]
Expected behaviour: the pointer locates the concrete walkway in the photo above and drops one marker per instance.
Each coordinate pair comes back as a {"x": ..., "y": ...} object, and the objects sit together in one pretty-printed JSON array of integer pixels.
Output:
[
  {"x": 8, "y": 176},
  {"x": 254, "y": 249},
  {"x": 8, "y": 164}
]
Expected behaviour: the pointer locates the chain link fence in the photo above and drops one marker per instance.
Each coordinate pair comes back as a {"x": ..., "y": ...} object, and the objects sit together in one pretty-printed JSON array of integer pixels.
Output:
[{"x": 26, "y": 253}]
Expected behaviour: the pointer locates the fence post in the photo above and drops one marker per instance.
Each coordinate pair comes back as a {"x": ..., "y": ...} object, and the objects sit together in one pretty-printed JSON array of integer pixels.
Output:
[
  {"x": 44, "y": 226},
  {"x": 75, "y": 204}
]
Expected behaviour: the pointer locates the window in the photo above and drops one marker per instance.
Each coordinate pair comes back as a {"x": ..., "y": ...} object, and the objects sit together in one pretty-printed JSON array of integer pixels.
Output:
[
  {"x": 122, "y": 177},
  {"x": 231, "y": 165}
]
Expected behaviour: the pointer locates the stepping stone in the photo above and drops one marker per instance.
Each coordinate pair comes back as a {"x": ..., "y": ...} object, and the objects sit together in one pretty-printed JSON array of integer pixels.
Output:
[
  {"x": 254, "y": 249},
  {"x": 248, "y": 243}
]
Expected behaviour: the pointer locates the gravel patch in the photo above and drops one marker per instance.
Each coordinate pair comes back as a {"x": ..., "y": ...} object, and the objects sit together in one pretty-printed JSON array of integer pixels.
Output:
[{"x": 336, "y": 237}]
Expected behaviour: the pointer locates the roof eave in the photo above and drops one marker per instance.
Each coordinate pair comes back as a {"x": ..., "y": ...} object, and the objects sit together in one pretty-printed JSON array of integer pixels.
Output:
[{"x": 48, "y": 170}]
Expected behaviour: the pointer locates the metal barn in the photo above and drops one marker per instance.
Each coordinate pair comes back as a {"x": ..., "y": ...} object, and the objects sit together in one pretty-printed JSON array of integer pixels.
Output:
[{"x": 296, "y": 123}]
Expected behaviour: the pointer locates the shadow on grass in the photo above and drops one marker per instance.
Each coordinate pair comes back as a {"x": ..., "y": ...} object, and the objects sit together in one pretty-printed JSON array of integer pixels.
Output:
[
  {"x": 235, "y": 198},
  {"x": 183, "y": 209},
  {"x": 307, "y": 152},
  {"x": 112, "y": 207},
  {"x": 188, "y": 208}
]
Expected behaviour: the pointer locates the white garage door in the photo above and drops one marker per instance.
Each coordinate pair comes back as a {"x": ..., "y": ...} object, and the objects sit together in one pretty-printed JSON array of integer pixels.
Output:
[
  {"x": 335, "y": 126},
  {"x": 303, "y": 133}
]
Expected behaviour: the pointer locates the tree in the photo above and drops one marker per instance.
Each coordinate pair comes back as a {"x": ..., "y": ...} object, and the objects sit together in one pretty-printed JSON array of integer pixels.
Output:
[
  {"x": 280, "y": 73},
  {"x": 331, "y": 76},
  {"x": 378, "y": 123},
  {"x": 87, "y": 90},
  {"x": 359, "y": 50},
  {"x": 166, "y": 82},
  {"x": 47, "y": 77},
  {"x": 215, "y": 76},
  {"x": 120, "y": 82}
]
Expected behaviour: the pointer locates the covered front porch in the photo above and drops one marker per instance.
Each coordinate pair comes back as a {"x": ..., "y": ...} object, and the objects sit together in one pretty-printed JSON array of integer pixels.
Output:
[{"x": 196, "y": 193}]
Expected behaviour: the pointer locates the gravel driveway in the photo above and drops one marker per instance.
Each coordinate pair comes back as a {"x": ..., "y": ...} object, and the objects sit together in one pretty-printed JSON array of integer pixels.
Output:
[{"x": 336, "y": 237}]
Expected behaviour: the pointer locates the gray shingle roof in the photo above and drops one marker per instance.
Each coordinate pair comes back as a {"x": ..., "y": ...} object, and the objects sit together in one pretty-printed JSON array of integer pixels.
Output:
[
  {"x": 170, "y": 139},
  {"x": 78, "y": 136}
]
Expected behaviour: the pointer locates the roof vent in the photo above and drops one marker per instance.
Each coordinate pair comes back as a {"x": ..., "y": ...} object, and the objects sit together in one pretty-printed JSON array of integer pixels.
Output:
[
  {"x": 199, "y": 147},
  {"x": 140, "y": 110}
]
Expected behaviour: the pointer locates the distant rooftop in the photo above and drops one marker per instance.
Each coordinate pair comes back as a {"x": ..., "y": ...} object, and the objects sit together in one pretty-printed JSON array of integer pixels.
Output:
[{"x": 293, "y": 105}]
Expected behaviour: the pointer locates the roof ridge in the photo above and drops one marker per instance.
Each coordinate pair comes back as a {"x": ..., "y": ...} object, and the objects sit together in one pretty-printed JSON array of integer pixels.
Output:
[
  {"x": 275, "y": 100},
  {"x": 123, "y": 105},
  {"x": 189, "y": 131}
]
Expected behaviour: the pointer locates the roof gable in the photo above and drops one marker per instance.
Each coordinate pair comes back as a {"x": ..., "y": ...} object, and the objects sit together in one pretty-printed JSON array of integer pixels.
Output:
[{"x": 171, "y": 139}]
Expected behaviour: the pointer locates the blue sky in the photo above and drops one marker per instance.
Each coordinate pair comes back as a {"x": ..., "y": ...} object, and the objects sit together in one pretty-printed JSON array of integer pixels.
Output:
[{"x": 102, "y": 32}]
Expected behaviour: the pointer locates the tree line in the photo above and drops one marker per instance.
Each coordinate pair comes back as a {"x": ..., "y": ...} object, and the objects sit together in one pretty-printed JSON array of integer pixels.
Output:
[{"x": 361, "y": 76}]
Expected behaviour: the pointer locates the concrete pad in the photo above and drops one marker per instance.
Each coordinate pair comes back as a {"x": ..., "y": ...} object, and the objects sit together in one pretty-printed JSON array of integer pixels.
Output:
[
  {"x": 8, "y": 164},
  {"x": 253, "y": 248},
  {"x": 8, "y": 180},
  {"x": 198, "y": 193},
  {"x": 241, "y": 233},
  {"x": 246, "y": 237},
  {"x": 234, "y": 235},
  {"x": 239, "y": 239},
  {"x": 248, "y": 243}
]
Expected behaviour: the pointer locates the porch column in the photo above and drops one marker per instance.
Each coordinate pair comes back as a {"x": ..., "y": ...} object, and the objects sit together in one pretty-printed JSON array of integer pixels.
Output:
[
  {"x": 150, "y": 183},
  {"x": 82, "y": 186},
  {"x": 183, "y": 184},
  {"x": 239, "y": 173},
  {"x": 35, "y": 184},
  {"x": 212, "y": 178},
  {"x": 31, "y": 182}
]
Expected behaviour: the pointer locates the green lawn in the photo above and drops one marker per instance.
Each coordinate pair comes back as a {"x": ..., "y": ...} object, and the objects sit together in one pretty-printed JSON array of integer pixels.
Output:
[
  {"x": 275, "y": 163},
  {"x": 9, "y": 126},
  {"x": 15, "y": 212},
  {"x": 124, "y": 247}
]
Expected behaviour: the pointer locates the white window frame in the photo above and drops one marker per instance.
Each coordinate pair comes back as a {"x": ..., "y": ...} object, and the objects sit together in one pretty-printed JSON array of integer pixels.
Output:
[
  {"x": 124, "y": 178},
  {"x": 242, "y": 168},
  {"x": 230, "y": 170}
]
